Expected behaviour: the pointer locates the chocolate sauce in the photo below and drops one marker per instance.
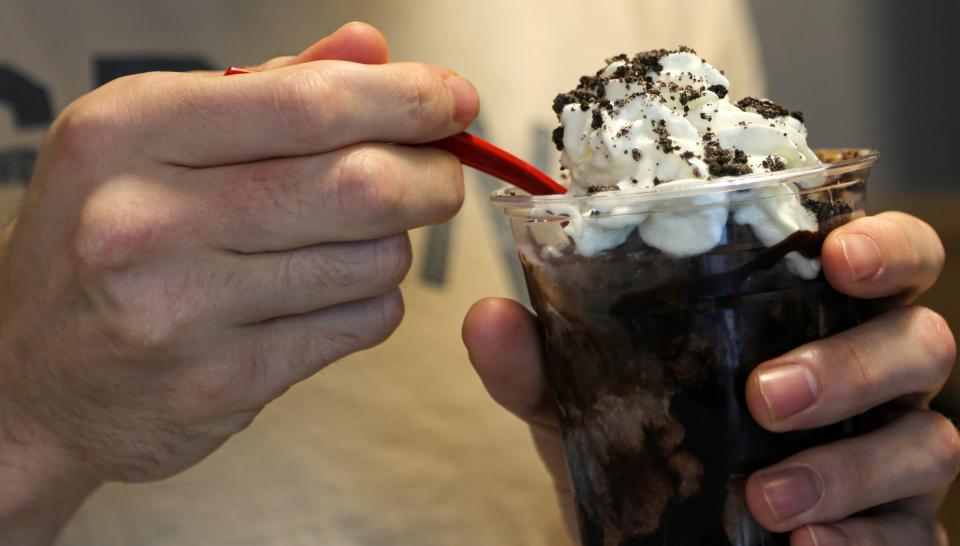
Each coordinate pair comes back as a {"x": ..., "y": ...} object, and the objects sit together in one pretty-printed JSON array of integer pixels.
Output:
[{"x": 687, "y": 292}]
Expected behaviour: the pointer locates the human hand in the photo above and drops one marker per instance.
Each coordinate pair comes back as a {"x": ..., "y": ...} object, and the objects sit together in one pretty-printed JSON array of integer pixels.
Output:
[
  {"x": 884, "y": 487},
  {"x": 192, "y": 245}
]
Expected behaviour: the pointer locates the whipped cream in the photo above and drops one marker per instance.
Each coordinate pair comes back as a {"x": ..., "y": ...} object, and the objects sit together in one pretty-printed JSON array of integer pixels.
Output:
[{"x": 663, "y": 120}]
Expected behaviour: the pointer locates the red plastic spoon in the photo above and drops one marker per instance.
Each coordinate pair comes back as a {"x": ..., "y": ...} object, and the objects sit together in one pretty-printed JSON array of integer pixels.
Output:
[{"x": 475, "y": 152}]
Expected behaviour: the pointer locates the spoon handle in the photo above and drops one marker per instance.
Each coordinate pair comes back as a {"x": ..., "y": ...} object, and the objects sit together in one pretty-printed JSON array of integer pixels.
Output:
[{"x": 475, "y": 152}]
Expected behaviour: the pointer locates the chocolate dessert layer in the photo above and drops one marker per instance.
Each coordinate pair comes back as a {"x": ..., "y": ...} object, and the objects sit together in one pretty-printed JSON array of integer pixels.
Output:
[{"x": 648, "y": 356}]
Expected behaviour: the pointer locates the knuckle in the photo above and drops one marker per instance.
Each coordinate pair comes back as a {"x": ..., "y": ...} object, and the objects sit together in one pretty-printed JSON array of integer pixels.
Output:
[
  {"x": 424, "y": 97},
  {"x": 367, "y": 186},
  {"x": 106, "y": 242},
  {"x": 891, "y": 234},
  {"x": 140, "y": 315},
  {"x": 305, "y": 99},
  {"x": 136, "y": 329},
  {"x": 451, "y": 199},
  {"x": 299, "y": 352},
  {"x": 331, "y": 273},
  {"x": 100, "y": 120},
  {"x": 387, "y": 314},
  {"x": 294, "y": 272},
  {"x": 281, "y": 186},
  {"x": 120, "y": 225},
  {"x": 946, "y": 450},
  {"x": 393, "y": 258},
  {"x": 82, "y": 130},
  {"x": 937, "y": 254},
  {"x": 311, "y": 353},
  {"x": 850, "y": 477},
  {"x": 910, "y": 232},
  {"x": 849, "y": 349},
  {"x": 936, "y": 339}
]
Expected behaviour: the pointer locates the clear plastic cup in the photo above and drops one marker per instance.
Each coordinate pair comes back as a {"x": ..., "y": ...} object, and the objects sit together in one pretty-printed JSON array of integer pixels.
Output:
[{"x": 648, "y": 350}]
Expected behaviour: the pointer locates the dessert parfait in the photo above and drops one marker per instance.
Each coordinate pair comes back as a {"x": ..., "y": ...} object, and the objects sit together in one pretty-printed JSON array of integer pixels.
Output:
[{"x": 685, "y": 254}]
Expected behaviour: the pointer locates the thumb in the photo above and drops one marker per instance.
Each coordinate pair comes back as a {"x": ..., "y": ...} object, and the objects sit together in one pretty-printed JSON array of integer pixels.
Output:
[
  {"x": 504, "y": 347},
  {"x": 355, "y": 42}
]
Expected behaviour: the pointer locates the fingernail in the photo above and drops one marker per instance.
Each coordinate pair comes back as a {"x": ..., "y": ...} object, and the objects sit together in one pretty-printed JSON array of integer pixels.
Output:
[
  {"x": 811, "y": 536},
  {"x": 787, "y": 389},
  {"x": 827, "y": 535},
  {"x": 465, "y": 98},
  {"x": 791, "y": 491},
  {"x": 862, "y": 255}
]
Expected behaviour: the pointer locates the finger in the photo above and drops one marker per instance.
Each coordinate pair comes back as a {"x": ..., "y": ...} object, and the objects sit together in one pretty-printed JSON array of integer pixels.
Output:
[
  {"x": 285, "y": 351},
  {"x": 884, "y": 255},
  {"x": 907, "y": 351},
  {"x": 359, "y": 193},
  {"x": 885, "y": 530},
  {"x": 355, "y": 42},
  {"x": 186, "y": 120},
  {"x": 504, "y": 347},
  {"x": 276, "y": 284},
  {"x": 915, "y": 455}
]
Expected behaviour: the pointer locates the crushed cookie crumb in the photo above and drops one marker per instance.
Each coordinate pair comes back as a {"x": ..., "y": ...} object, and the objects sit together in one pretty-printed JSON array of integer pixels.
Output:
[
  {"x": 558, "y": 138},
  {"x": 725, "y": 162},
  {"x": 773, "y": 163},
  {"x": 767, "y": 109},
  {"x": 597, "y": 119},
  {"x": 720, "y": 90}
]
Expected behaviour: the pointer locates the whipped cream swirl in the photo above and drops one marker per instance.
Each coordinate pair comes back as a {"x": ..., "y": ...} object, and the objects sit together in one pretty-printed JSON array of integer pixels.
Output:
[{"x": 663, "y": 120}]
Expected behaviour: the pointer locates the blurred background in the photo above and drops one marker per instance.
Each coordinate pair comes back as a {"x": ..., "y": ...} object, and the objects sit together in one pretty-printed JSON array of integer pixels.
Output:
[{"x": 882, "y": 74}]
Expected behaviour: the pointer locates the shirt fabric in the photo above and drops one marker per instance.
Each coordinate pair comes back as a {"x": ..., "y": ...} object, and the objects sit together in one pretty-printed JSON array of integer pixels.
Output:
[{"x": 400, "y": 444}]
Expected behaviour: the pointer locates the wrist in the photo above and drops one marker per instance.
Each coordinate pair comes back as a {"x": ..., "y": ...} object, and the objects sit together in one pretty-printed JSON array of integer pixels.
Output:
[{"x": 42, "y": 485}]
